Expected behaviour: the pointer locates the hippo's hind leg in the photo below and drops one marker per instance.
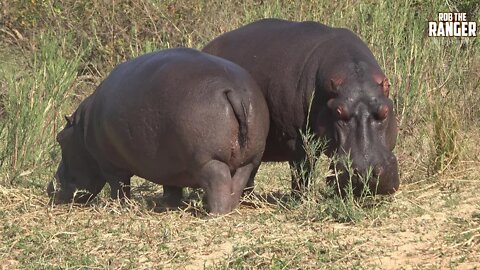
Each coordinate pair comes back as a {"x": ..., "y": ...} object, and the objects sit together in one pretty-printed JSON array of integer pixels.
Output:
[
  {"x": 172, "y": 195},
  {"x": 216, "y": 181},
  {"x": 251, "y": 182},
  {"x": 222, "y": 190},
  {"x": 243, "y": 176}
]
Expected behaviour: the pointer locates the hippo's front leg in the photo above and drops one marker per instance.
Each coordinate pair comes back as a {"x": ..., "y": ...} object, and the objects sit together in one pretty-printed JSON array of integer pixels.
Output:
[
  {"x": 172, "y": 195},
  {"x": 301, "y": 175},
  {"x": 301, "y": 169},
  {"x": 120, "y": 189}
]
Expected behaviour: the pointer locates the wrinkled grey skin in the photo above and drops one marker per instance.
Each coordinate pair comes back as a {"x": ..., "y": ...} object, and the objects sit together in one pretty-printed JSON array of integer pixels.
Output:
[
  {"x": 177, "y": 117},
  {"x": 351, "y": 109}
]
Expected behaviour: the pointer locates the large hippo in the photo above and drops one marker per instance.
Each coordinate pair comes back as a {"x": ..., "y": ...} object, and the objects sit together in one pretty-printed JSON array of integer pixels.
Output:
[
  {"x": 350, "y": 108},
  {"x": 177, "y": 117}
]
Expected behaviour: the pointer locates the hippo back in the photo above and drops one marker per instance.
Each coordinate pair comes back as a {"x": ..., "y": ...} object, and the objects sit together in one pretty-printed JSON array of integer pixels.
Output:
[{"x": 166, "y": 111}]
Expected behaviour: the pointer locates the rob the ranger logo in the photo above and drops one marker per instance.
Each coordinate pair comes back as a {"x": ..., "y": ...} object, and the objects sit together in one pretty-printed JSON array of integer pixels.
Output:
[{"x": 451, "y": 24}]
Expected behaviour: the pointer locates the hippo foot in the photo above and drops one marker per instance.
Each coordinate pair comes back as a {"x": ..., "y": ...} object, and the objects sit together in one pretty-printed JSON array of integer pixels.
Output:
[
  {"x": 248, "y": 192},
  {"x": 172, "y": 196}
]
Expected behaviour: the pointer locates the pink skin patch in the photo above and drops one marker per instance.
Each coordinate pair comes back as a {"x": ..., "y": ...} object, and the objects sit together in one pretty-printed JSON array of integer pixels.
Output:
[{"x": 382, "y": 81}]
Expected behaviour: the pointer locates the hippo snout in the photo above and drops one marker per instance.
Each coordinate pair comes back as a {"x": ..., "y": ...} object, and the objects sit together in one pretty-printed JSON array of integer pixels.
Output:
[
  {"x": 385, "y": 178},
  {"x": 59, "y": 195},
  {"x": 381, "y": 176}
]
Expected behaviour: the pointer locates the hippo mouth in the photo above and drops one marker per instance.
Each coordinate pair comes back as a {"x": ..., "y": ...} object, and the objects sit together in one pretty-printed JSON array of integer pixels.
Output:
[
  {"x": 63, "y": 193},
  {"x": 376, "y": 181},
  {"x": 63, "y": 189},
  {"x": 59, "y": 194}
]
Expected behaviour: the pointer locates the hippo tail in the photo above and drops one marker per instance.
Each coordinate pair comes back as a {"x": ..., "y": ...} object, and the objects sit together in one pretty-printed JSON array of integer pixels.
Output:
[{"x": 240, "y": 110}]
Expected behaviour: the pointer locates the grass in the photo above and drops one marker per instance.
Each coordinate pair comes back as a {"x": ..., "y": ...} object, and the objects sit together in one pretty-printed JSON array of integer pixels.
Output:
[
  {"x": 108, "y": 235},
  {"x": 54, "y": 54},
  {"x": 32, "y": 104}
]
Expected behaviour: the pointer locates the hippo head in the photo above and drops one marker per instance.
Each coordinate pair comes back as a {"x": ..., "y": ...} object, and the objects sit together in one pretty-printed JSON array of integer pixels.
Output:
[
  {"x": 359, "y": 123},
  {"x": 77, "y": 174}
]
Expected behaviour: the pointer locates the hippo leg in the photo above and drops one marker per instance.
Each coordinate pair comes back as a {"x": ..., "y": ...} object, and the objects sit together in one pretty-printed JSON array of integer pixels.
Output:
[
  {"x": 120, "y": 189},
  {"x": 60, "y": 195},
  {"x": 251, "y": 182},
  {"x": 172, "y": 195},
  {"x": 301, "y": 168},
  {"x": 91, "y": 192},
  {"x": 301, "y": 174},
  {"x": 241, "y": 177},
  {"x": 217, "y": 182}
]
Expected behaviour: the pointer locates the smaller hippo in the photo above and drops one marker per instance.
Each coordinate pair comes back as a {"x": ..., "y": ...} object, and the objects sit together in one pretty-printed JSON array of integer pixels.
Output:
[{"x": 177, "y": 117}]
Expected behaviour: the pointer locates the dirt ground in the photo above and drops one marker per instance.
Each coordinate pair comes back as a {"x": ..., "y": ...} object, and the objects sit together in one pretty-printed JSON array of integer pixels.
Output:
[{"x": 424, "y": 226}]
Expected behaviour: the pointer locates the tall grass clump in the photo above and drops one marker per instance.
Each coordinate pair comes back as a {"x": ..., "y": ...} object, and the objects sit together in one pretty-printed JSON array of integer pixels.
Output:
[
  {"x": 322, "y": 200},
  {"x": 349, "y": 204},
  {"x": 306, "y": 171},
  {"x": 445, "y": 145},
  {"x": 34, "y": 102},
  {"x": 329, "y": 201}
]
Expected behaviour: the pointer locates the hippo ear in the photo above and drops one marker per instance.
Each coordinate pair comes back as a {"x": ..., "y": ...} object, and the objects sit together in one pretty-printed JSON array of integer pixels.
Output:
[
  {"x": 333, "y": 85},
  {"x": 385, "y": 86},
  {"x": 69, "y": 120}
]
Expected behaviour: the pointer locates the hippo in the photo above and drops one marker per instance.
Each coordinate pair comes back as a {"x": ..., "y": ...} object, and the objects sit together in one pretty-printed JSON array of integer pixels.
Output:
[
  {"x": 307, "y": 68},
  {"x": 176, "y": 117}
]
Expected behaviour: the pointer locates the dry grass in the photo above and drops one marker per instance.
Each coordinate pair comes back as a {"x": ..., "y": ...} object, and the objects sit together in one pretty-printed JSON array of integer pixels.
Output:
[{"x": 425, "y": 225}]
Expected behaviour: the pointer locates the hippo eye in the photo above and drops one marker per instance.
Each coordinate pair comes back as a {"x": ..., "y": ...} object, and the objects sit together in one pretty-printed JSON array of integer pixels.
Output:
[
  {"x": 339, "y": 109},
  {"x": 382, "y": 112}
]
